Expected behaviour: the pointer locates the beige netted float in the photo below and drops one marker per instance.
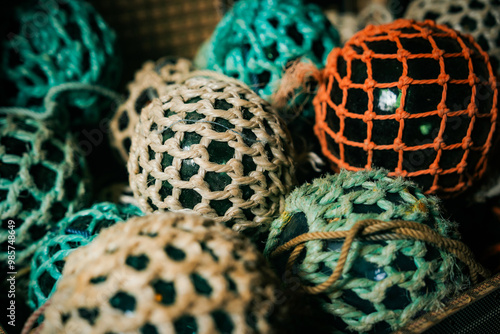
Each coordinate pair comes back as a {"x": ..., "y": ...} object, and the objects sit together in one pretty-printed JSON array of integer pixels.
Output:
[
  {"x": 150, "y": 82},
  {"x": 165, "y": 273},
  {"x": 214, "y": 147}
]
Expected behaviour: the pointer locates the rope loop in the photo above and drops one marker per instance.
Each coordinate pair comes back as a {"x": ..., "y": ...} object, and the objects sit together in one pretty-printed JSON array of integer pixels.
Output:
[{"x": 375, "y": 229}]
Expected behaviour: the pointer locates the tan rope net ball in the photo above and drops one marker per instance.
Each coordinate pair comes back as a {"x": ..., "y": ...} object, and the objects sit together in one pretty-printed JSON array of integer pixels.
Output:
[
  {"x": 164, "y": 273},
  {"x": 150, "y": 81},
  {"x": 214, "y": 147}
]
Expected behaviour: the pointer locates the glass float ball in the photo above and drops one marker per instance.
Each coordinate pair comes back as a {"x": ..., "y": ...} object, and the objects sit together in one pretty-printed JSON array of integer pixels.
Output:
[
  {"x": 479, "y": 18},
  {"x": 150, "y": 82},
  {"x": 384, "y": 284},
  {"x": 43, "y": 178},
  {"x": 165, "y": 273},
  {"x": 50, "y": 44},
  {"x": 257, "y": 39},
  {"x": 416, "y": 98},
  {"x": 70, "y": 233}
]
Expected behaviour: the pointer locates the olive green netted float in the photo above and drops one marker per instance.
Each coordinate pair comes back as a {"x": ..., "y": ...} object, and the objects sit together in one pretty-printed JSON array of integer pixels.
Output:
[{"x": 212, "y": 146}]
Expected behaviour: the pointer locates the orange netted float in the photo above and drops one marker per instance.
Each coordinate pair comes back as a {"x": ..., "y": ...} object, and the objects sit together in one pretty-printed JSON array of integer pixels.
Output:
[{"x": 416, "y": 98}]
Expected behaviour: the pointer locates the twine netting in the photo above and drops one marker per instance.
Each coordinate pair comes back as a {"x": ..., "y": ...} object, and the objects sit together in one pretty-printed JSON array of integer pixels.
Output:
[
  {"x": 150, "y": 82},
  {"x": 42, "y": 179},
  {"x": 164, "y": 273},
  {"x": 255, "y": 41},
  {"x": 213, "y": 147},
  {"x": 70, "y": 233},
  {"x": 479, "y": 18},
  {"x": 418, "y": 99},
  {"x": 385, "y": 279},
  {"x": 53, "y": 43}
]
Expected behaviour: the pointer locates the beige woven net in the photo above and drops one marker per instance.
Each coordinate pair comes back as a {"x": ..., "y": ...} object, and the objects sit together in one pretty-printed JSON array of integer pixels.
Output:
[
  {"x": 214, "y": 147},
  {"x": 151, "y": 81},
  {"x": 164, "y": 273}
]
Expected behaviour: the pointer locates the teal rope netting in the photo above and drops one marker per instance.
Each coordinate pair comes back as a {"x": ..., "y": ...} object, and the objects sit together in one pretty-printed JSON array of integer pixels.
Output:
[{"x": 70, "y": 233}]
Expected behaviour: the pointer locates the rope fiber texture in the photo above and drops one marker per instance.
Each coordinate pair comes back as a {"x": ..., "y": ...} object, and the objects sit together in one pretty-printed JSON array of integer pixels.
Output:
[
  {"x": 416, "y": 98},
  {"x": 70, "y": 233},
  {"x": 43, "y": 178},
  {"x": 213, "y": 147},
  {"x": 165, "y": 273},
  {"x": 53, "y": 43},
  {"x": 150, "y": 82},
  {"x": 385, "y": 272}
]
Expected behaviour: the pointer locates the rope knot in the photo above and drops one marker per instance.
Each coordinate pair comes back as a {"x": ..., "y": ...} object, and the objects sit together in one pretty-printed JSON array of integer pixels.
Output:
[{"x": 404, "y": 81}]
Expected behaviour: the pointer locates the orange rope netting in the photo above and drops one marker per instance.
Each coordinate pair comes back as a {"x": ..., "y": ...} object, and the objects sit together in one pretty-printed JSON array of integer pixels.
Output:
[{"x": 334, "y": 120}]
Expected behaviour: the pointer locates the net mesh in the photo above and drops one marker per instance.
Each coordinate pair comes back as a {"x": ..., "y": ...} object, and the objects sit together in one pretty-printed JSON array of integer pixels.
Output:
[
  {"x": 214, "y": 147},
  {"x": 479, "y": 18},
  {"x": 42, "y": 179},
  {"x": 151, "y": 81},
  {"x": 384, "y": 283},
  {"x": 70, "y": 233},
  {"x": 50, "y": 44},
  {"x": 255, "y": 41},
  {"x": 418, "y": 99}
]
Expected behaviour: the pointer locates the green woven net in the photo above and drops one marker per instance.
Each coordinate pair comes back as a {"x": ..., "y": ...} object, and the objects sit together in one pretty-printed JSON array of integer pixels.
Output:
[
  {"x": 384, "y": 284},
  {"x": 70, "y": 233},
  {"x": 42, "y": 179},
  {"x": 51, "y": 43},
  {"x": 166, "y": 273}
]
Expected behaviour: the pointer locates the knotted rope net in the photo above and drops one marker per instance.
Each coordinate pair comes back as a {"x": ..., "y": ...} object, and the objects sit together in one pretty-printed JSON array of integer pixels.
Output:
[
  {"x": 70, "y": 233},
  {"x": 42, "y": 180},
  {"x": 165, "y": 273},
  {"x": 212, "y": 146},
  {"x": 418, "y": 99},
  {"x": 150, "y": 82},
  {"x": 375, "y": 249}
]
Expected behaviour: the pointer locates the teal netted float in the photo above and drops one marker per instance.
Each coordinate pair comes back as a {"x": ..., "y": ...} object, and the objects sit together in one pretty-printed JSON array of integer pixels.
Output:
[
  {"x": 42, "y": 179},
  {"x": 70, "y": 233},
  {"x": 384, "y": 283},
  {"x": 51, "y": 44},
  {"x": 256, "y": 40}
]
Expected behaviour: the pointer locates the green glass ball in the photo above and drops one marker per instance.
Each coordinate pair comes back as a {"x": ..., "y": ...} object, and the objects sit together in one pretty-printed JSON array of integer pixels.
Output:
[
  {"x": 385, "y": 283},
  {"x": 415, "y": 98},
  {"x": 214, "y": 147},
  {"x": 165, "y": 273}
]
